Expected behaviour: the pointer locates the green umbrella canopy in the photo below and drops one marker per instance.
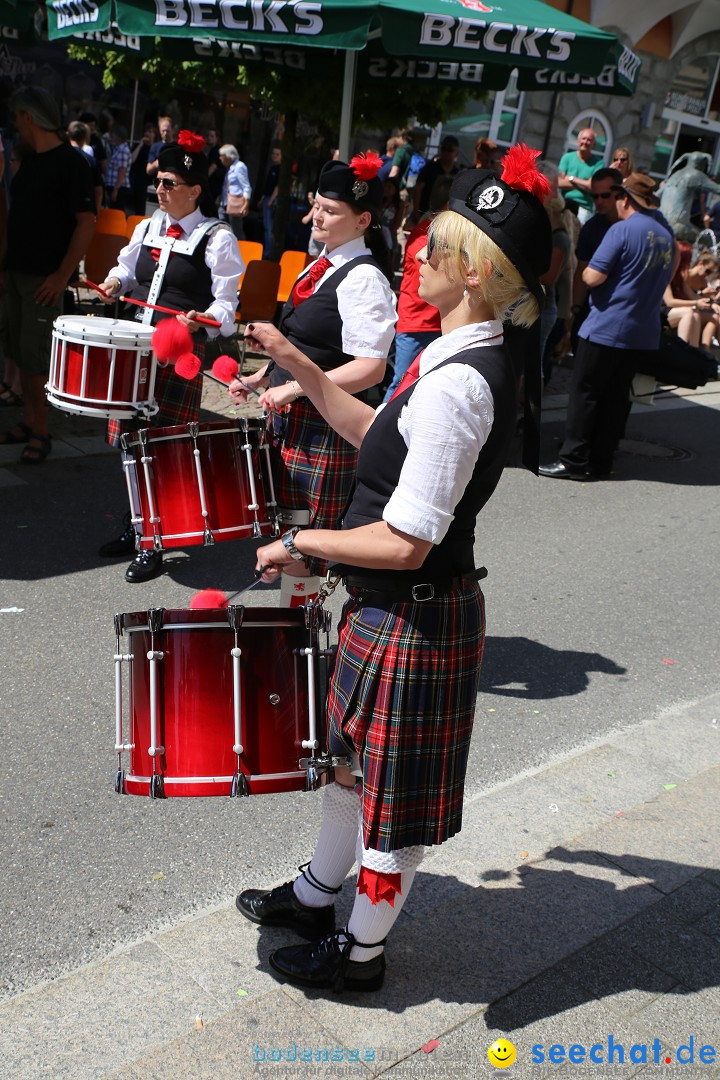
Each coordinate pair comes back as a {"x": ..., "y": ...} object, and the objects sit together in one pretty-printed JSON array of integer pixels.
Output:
[{"x": 526, "y": 34}]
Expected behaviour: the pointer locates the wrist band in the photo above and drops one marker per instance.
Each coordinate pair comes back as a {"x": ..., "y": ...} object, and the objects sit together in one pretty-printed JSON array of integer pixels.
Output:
[{"x": 296, "y": 389}]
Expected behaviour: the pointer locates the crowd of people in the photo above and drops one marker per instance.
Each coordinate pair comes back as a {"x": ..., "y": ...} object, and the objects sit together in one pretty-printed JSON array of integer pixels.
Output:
[{"x": 387, "y": 498}]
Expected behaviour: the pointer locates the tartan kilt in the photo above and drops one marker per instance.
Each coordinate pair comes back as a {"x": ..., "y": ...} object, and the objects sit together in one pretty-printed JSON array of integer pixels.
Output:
[
  {"x": 402, "y": 696},
  {"x": 178, "y": 398},
  {"x": 313, "y": 468}
]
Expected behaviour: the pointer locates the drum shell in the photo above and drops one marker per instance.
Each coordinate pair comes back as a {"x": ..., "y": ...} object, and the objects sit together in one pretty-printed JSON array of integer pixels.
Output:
[
  {"x": 195, "y": 714},
  {"x": 102, "y": 367},
  {"x": 165, "y": 463}
]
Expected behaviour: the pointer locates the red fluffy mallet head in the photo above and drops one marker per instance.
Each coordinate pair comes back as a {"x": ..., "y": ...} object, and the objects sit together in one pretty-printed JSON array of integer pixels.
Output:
[
  {"x": 191, "y": 141},
  {"x": 366, "y": 166},
  {"x": 208, "y": 598},
  {"x": 170, "y": 339},
  {"x": 520, "y": 171},
  {"x": 225, "y": 368},
  {"x": 187, "y": 366}
]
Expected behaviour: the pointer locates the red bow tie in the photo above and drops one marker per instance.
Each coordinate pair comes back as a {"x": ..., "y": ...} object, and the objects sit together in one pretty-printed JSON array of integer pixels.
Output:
[
  {"x": 305, "y": 287},
  {"x": 174, "y": 231}
]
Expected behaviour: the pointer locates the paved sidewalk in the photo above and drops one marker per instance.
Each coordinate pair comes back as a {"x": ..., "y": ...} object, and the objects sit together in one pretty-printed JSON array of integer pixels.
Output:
[{"x": 579, "y": 904}]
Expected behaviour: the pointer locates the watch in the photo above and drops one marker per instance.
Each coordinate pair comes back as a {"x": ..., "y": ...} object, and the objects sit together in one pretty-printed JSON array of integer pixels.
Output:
[{"x": 288, "y": 542}]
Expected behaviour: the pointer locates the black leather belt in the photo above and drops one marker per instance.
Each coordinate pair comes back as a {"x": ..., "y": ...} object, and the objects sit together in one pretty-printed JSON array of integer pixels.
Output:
[{"x": 374, "y": 592}]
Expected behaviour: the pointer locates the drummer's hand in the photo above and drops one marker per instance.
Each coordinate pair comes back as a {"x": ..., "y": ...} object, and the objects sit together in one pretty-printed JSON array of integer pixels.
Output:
[
  {"x": 270, "y": 560},
  {"x": 277, "y": 397},
  {"x": 188, "y": 319},
  {"x": 239, "y": 393},
  {"x": 264, "y": 337},
  {"x": 51, "y": 289},
  {"x": 111, "y": 287}
]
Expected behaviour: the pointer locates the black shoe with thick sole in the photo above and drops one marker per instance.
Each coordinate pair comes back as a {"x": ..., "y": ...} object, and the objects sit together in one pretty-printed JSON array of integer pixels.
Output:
[
  {"x": 145, "y": 566},
  {"x": 558, "y": 470},
  {"x": 123, "y": 545},
  {"x": 326, "y": 965},
  {"x": 280, "y": 907}
]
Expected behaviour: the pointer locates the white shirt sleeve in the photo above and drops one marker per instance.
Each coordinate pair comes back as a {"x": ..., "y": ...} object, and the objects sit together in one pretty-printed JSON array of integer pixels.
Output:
[
  {"x": 222, "y": 256},
  {"x": 239, "y": 180},
  {"x": 445, "y": 425},
  {"x": 366, "y": 305},
  {"x": 128, "y": 257}
]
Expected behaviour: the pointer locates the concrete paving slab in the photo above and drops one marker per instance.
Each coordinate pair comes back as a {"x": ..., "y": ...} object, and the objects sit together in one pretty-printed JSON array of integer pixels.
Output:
[{"x": 276, "y": 1039}]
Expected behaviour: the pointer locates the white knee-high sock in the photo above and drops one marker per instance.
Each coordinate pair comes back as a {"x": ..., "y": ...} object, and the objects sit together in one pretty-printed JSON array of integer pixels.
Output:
[
  {"x": 335, "y": 849},
  {"x": 373, "y": 922}
]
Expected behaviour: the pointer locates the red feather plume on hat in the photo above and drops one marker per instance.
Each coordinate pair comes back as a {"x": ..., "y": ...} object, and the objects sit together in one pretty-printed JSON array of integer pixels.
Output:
[
  {"x": 366, "y": 166},
  {"x": 191, "y": 141},
  {"x": 520, "y": 171}
]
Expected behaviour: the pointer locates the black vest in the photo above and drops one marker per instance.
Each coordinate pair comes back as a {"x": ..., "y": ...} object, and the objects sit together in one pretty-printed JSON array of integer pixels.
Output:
[
  {"x": 383, "y": 454},
  {"x": 187, "y": 284},
  {"x": 315, "y": 326}
]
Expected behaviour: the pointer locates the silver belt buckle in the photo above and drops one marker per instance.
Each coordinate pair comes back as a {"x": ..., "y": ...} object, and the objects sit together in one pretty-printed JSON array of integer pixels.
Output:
[
  {"x": 419, "y": 595},
  {"x": 293, "y": 517}
]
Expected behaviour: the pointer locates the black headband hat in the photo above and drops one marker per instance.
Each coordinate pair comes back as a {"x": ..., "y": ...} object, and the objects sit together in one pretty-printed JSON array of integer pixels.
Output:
[
  {"x": 509, "y": 209},
  {"x": 356, "y": 183},
  {"x": 186, "y": 158}
]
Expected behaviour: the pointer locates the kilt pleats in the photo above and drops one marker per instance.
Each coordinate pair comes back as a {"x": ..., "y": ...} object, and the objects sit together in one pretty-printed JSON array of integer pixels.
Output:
[{"x": 403, "y": 696}]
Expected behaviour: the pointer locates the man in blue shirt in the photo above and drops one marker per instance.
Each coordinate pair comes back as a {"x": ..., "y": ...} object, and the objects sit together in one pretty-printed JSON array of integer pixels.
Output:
[{"x": 626, "y": 276}]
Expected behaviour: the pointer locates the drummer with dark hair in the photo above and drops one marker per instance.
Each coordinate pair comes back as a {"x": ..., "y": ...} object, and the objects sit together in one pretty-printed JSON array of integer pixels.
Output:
[
  {"x": 341, "y": 314},
  {"x": 182, "y": 257},
  {"x": 404, "y": 688}
]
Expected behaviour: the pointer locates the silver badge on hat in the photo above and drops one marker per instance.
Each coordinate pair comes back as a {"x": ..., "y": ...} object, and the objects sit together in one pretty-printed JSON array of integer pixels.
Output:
[
  {"x": 490, "y": 198},
  {"x": 188, "y": 161},
  {"x": 360, "y": 189}
]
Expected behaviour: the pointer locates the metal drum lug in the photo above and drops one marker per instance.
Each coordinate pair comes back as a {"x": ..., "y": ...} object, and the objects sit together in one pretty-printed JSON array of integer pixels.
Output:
[
  {"x": 120, "y": 781},
  {"x": 239, "y": 786},
  {"x": 157, "y": 787}
]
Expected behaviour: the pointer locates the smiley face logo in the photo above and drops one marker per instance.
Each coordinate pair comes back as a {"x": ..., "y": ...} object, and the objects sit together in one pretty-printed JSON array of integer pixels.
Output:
[{"x": 502, "y": 1053}]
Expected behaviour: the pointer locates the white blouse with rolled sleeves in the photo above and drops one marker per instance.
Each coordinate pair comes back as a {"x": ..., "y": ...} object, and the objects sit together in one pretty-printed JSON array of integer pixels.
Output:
[
  {"x": 366, "y": 303},
  {"x": 223, "y": 260},
  {"x": 444, "y": 425}
]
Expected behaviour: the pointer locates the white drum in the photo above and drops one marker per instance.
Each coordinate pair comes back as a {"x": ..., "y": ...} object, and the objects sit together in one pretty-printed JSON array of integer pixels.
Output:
[{"x": 102, "y": 367}]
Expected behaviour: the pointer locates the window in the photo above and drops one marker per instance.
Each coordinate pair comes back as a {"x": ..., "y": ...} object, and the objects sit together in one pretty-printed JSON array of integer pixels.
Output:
[{"x": 598, "y": 123}]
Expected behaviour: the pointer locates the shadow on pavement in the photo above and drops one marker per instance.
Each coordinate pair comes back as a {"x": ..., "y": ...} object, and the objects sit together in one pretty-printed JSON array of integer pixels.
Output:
[{"x": 519, "y": 667}]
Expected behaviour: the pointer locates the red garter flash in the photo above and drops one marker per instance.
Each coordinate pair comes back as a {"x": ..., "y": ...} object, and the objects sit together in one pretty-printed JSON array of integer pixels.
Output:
[{"x": 378, "y": 886}]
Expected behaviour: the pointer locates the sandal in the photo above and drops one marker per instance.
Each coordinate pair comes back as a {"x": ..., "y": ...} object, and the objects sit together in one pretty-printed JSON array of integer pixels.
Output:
[
  {"x": 35, "y": 455},
  {"x": 8, "y": 395},
  {"x": 9, "y": 438}
]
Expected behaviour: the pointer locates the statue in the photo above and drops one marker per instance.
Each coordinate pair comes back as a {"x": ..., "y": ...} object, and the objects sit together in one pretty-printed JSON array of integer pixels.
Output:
[{"x": 688, "y": 175}]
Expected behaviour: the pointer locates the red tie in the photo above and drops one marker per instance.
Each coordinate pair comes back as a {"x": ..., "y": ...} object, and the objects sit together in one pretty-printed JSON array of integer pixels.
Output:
[
  {"x": 174, "y": 231},
  {"x": 305, "y": 287},
  {"x": 411, "y": 375}
]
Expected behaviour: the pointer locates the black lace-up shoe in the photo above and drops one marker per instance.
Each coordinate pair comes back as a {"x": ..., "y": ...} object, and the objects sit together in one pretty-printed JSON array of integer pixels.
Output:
[
  {"x": 145, "y": 566},
  {"x": 280, "y": 907},
  {"x": 123, "y": 545},
  {"x": 558, "y": 470},
  {"x": 326, "y": 964}
]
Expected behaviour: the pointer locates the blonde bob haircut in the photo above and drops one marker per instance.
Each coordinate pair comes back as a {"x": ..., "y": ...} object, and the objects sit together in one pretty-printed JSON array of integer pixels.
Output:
[{"x": 464, "y": 247}]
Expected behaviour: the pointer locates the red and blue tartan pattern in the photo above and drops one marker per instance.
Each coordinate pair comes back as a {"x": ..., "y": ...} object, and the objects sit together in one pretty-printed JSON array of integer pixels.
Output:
[
  {"x": 178, "y": 398},
  {"x": 313, "y": 469},
  {"x": 403, "y": 697}
]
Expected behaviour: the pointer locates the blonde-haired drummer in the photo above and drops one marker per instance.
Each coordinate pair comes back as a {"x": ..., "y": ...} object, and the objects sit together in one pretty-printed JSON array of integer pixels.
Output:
[{"x": 403, "y": 691}]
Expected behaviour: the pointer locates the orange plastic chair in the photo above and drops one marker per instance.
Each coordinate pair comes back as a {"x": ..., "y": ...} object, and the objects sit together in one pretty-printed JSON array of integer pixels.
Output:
[
  {"x": 132, "y": 222},
  {"x": 102, "y": 255},
  {"x": 250, "y": 251},
  {"x": 258, "y": 294},
  {"x": 292, "y": 263},
  {"x": 110, "y": 221}
]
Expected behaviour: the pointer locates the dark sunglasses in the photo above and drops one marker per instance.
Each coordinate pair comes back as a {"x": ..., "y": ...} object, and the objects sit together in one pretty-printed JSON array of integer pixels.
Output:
[
  {"x": 604, "y": 195},
  {"x": 430, "y": 245},
  {"x": 167, "y": 183}
]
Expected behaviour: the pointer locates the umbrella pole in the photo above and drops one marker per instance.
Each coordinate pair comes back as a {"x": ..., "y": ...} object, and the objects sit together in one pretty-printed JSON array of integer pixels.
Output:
[
  {"x": 346, "y": 109},
  {"x": 134, "y": 113}
]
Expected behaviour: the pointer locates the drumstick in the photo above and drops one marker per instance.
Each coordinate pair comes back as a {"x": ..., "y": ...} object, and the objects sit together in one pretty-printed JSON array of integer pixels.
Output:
[
  {"x": 155, "y": 307},
  {"x": 250, "y": 390}
]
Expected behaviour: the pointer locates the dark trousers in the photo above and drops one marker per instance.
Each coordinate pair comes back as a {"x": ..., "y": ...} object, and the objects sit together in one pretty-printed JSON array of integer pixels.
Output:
[{"x": 598, "y": 405}]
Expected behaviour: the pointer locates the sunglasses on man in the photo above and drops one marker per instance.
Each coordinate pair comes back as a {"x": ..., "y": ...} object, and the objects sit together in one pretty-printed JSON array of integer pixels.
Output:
[
  {"x": 167, "y": 183},
  {"x": 603, "y": 195}
]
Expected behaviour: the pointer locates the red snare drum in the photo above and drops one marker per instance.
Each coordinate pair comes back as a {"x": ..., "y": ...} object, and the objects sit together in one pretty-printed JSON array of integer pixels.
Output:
[
  {"x": 223, "y": 701},
  {"x": 102, "y": 367},
  {"x": 200, "y": 483}
]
